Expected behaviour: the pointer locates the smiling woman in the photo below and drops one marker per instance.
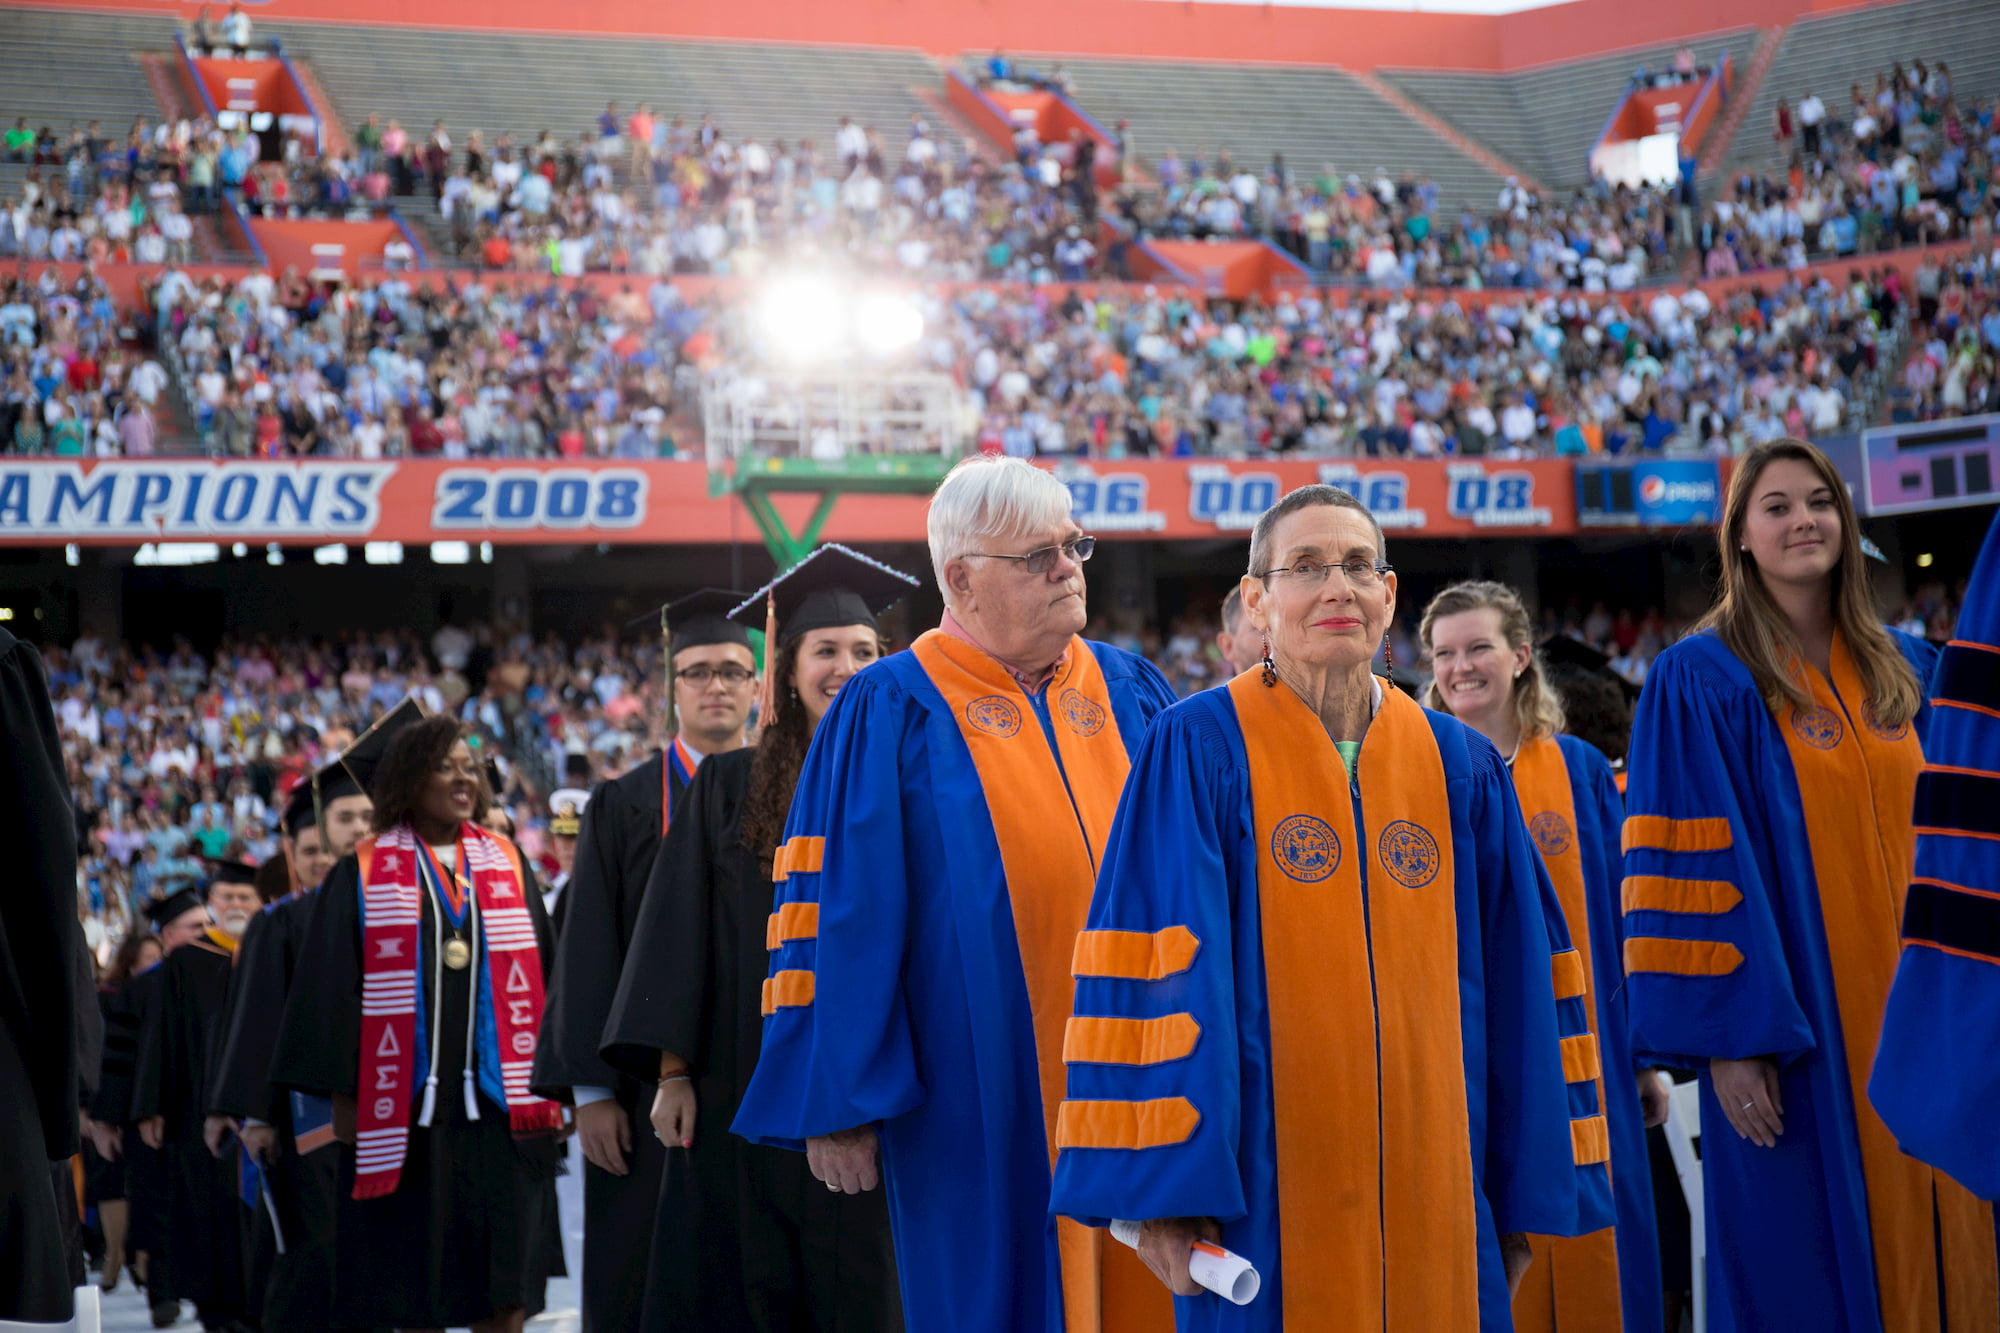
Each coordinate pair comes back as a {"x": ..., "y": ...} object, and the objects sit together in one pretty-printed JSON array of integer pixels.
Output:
[{"x": 1769, "y": 845}]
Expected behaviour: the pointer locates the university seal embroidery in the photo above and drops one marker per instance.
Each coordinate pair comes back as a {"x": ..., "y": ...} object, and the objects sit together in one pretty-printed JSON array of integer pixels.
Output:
[
  {"x": 1820, "y": 728},
  {"x": 1409, "y": 853},
  {"x": 1550, "y": 832},
  {"x": 1306, "y": 848},
  {"x": 1874, "y": 724},
  {"x": 1084, "y": 715},
  {"x": 995, "y": 715}
]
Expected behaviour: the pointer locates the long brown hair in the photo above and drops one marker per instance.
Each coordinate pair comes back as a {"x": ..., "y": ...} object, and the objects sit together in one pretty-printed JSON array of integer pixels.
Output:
[
  {"x": 1751, "y": 626},
  {"x": 1538, "y": 709},
  {"x": 781, "y": 753}
]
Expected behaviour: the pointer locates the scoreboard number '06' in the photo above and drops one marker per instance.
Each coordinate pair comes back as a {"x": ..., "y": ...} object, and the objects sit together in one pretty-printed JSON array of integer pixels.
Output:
[{"x": 510, "y": 499}]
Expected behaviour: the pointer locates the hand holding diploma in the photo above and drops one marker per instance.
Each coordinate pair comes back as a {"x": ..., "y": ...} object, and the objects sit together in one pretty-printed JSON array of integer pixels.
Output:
[{"x": 1184, "y": 1253}]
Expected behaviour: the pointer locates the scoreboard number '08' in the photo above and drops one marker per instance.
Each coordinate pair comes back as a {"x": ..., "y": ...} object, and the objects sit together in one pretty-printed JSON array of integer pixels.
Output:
[{"x": 481, "y": 499}]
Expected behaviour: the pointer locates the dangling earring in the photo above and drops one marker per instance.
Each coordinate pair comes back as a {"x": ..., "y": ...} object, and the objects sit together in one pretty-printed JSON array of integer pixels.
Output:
[
  {"x": 1388, "y": 657},
  {"x": 1270, "y": 667}
]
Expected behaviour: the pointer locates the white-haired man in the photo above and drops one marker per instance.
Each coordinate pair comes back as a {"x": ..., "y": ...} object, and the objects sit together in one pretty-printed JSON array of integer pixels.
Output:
[{"x": 936, "y": 870}]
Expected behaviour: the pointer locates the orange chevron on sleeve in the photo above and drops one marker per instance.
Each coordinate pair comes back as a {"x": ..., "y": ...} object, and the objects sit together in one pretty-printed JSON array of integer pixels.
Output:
[
  {"x": 1567, "y": 968},
  {"x": 790, "y": 989},
  {"x": 1663, "y": 893},
  {"x": 1580, "y": 1058},
  {"x": 1129, "y": 1041},
  {"x": 1134, "y": 955},
  {"x": 801, "y": 856},
  {"x": 1675, "y": 835},
  {"x": 1683, "y": 958},
  {"x": 792, "y": 921},
  {"x": 1590, "y": 1140},
  {"x": 1154, "y": 1124}
]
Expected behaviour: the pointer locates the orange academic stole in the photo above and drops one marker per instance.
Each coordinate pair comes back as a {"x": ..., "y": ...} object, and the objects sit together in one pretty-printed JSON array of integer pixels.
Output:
[
  {"x": 1375, "y": 1191},
  {"x": 1052, "y": 824},
  {"x": 1858, "y": 783},
  {"x": 1572, "y": 1285}
]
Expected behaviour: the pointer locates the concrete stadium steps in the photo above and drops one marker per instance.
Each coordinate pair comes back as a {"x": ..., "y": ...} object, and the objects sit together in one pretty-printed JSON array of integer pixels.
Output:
[
  {"x": 1313, "y": 116},
  {"x": 60, "y": 68},
  {"x": 526, "y": 83},
  {"x": 1826, "y": 55},
  {"x": 1546, "y": 120}
]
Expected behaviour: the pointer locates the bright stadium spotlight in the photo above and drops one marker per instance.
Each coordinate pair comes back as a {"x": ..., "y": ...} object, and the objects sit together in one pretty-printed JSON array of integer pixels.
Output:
[
  {"x": 451, "y": 553},
  {"x": 801, "y": 316},
  {"x": 330, "y": 555},
  {"x": 274, "y": 554},
  {"x": 887, "y": 323},
  {"x": 383, "y": 553}
]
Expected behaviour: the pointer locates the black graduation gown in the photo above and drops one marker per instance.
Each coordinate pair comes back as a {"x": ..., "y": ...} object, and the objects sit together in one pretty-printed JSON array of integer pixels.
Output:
[
  {"x": 203, "y": 1250},
  {"x": 598, "y": 908},
  {"x": 104, "y": 1178},
  {"x": 292, "y": 1290},
  {"x": 38, "y": 933},
  {"x": 145, "y": 1168},
  {"x": 471, "y": 1228},
  {"x": 746, "y": 1237}
]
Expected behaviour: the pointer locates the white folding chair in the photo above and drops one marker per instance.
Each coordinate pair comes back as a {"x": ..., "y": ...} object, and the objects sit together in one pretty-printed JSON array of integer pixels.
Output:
[{"x": 1683, "y": 1130}]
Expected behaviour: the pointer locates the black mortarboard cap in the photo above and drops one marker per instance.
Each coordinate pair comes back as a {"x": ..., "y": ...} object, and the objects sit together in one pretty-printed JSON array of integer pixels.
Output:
[
  {"x": 1561, "y": 649},
  {"x": 302, "y": 811},
  {"x": 178, "y": 903},
  {"x": 832, "y": 586},
  {"x": 359, "y": 761},
  {"x": 698, "y": 619},
  {"x": 222, "y": 871}
]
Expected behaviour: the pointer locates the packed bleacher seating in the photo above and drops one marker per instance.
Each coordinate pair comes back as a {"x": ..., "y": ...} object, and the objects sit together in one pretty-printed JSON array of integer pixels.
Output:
[{"x": 73, "y": 381}]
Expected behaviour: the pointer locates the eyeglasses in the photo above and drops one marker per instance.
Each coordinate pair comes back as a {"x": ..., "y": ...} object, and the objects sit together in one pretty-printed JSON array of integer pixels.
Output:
[
  {"x": 1312, "y": 573},
  {"x": 1043, "y": 559},
  {"x": 700, "y": 676}
]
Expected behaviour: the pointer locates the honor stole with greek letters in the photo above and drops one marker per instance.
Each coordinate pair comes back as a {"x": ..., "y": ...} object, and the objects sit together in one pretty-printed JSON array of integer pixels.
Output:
[
  {"x": 391, "y": 914},
  {"x": 1052, "y": 815},
  {"x": 1573, "y": 1282},
  {"x": 1375, "y": 1187},
  {"x": 1857, "y": 785}
]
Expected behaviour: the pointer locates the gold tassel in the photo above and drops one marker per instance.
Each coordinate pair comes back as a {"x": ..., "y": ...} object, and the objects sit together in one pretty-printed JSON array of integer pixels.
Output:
[{"x": 767, "y": 689}]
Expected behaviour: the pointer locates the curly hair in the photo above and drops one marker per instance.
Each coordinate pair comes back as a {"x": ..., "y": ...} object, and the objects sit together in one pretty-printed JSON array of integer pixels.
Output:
[
  {"x": 781, "y": 753},
  {"x": 398, "y": 785}
]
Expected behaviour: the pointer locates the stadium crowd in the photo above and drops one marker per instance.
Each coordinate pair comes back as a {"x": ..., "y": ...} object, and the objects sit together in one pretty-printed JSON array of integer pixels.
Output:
[{"x": 178, "y": 755}]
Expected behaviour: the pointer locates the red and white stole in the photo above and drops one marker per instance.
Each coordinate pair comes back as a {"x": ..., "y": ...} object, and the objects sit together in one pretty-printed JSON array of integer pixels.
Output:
[{"x": 392, "y": 912}]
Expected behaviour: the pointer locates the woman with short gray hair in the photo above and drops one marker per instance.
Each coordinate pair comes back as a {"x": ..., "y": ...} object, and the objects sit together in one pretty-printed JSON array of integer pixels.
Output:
[{"x": 1317, "y": 973}]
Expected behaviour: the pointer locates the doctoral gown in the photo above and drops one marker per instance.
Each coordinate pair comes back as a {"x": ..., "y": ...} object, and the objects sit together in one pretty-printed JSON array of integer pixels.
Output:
[
  {"x": 143, "y": 1170},
  {"x": 1604, "y": 1282},
  {"x": 747, "y": 1238},
  {"x": 1384, "y": 1091},
  {"x": 1766, "y": 859},
  {"x": 38, "y": 934},
  {"x": 293, "y": 1290},
  {"x": 471, "y": 1228},
  {"x": 920, "y": 985},
  {"x": 597, "y": 909},
  {"x": 1936, "y": 1079},
  {"x": 203, "y": 1250}
]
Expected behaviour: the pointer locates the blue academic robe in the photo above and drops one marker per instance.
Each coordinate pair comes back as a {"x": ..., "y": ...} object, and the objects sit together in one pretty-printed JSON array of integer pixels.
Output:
[
  {"x": 1600, "y": 813},
  {"x": 1184, "y": 853},
  {"x": 1937, "y": 1079},
  {"x": 1742, "y": 969},
  {"x": 920, "y": 1021}
]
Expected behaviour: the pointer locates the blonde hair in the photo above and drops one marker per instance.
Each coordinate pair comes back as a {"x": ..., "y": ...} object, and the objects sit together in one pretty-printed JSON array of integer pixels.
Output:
[
  {"x": 1538, "y": 709},
  {"x": 1751, "y": 626}
]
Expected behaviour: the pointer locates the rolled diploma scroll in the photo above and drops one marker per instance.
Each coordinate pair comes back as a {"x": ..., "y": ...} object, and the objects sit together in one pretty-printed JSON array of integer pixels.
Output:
[{"x": 1227, "y": 1274}]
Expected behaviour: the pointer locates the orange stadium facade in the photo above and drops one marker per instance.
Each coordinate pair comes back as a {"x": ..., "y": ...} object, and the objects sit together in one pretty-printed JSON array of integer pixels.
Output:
[{"x": 1219, "y": 30}]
